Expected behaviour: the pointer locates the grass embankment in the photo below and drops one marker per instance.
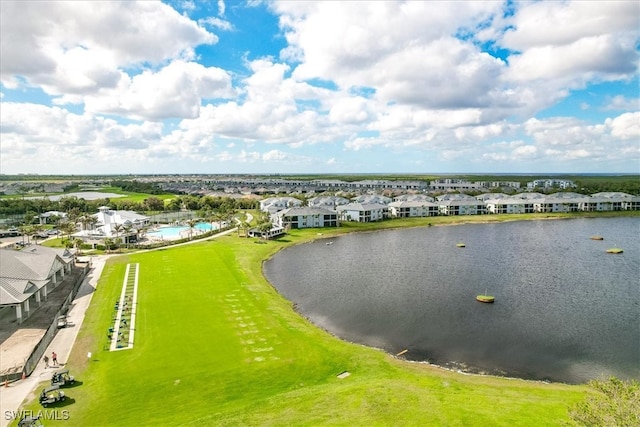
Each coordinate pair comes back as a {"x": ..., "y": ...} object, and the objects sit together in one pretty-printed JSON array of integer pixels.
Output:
[{"x": 215, "y": 344}]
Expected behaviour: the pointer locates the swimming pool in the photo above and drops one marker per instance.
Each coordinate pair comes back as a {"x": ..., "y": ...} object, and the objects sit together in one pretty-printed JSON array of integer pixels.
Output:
[{"x": 180, "y": 231}]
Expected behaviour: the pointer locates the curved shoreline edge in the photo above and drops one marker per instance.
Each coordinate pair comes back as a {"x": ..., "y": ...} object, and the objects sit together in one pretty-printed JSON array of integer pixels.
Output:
[{"x": 460, "y": 221}]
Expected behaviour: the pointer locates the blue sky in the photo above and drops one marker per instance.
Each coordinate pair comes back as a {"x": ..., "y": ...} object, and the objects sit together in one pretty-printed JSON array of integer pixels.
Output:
[{"x": 319, "y": 87}]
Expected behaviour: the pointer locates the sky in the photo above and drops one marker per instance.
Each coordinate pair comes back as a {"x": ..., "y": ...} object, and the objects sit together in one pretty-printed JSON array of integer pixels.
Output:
[{"x": 302, "y": 87}]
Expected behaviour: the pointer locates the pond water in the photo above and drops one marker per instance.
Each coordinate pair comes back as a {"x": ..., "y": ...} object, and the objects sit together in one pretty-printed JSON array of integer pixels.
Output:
[{"x": 565, "y": 309}]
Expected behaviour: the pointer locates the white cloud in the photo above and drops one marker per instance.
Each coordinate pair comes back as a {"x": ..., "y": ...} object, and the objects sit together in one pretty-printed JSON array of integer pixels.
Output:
[
  {"x": 350, "y": 110},
  {"x": 176, "y": 90},
  {"x": 414, "y": 79},
  {"x": 43, "y": 42},
  {"x": 52, "y": 137},
  {"x": 620, "y": 102},
  {"x": 626, "y": 126},
  {"x": 406, "y": 51},
  {"x": 275, "y": 155},
  {"x": 218, "y": 23},
  {"x": 563, "y": 23},
  {"x": 560, "y": 46}
]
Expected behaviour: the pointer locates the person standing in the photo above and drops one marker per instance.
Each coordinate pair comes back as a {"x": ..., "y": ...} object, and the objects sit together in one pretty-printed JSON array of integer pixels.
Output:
[
  {"x": 54, "y": 358},
  {"x": 46, "y": 361}
]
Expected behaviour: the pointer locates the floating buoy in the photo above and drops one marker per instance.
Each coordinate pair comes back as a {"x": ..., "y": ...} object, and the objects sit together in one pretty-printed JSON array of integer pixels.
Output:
[{"x": 486, "y": 298}]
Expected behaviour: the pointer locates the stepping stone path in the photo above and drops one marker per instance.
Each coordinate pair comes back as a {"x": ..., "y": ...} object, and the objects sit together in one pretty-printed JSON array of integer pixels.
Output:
[{"x": 121, "y": 335}]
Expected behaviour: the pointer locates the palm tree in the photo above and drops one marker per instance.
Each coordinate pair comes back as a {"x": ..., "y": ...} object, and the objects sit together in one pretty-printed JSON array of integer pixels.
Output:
[
  {"x": 127, "y": 231},
  {"x": 67, "y": 228},
  {"x": 36, "y": 229},
  {"x": 117, "y": 228},
  {"x": 264, "y": 227},
  {"x": 91, "y": 221},
  {"x": 77, "y": 243},
  {"x": 192, "y": 224},
  {"x": 230, "y": 215},
  {"x": 219, "y": 217},
  {"x": 26, "y": 230},
  {"x": 108, "y": 243},
  {"x": 210, "y": 217}
]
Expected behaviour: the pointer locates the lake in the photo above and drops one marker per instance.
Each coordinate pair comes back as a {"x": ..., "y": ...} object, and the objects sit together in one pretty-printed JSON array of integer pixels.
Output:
[{"x": 565, "y": 309}]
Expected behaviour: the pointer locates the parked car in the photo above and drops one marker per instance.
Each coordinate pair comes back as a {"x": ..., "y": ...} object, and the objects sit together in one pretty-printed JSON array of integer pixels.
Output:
[
  {"x": 51, "y": 395},
  {"x": 62, "y": 378}
]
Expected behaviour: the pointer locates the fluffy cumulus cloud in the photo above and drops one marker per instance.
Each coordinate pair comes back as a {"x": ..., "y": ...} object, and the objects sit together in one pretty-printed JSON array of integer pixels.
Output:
[
  {"x": 41, "y": 41},
  {"x": 407, "y": 51},
  {"x": 58, "y": 139},
  {"x": 176, "y": 90},
  {"x": 480, "y": 84}
]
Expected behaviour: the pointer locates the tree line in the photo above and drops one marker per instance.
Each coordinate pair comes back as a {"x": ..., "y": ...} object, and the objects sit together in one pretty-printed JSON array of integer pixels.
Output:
[{"x": 32, "y": 208}]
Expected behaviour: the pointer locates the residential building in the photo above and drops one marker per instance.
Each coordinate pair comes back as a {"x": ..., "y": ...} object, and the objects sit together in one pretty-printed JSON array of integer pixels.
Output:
[
  {"x": 307, "y": 217},
  {"x": 362, "y": 212},
  {"x": 327, "y": 202},
  {"x": 461, "y": 206},
  {"x": 273, "y": 205},
  {"x": 404, "y": 209}
]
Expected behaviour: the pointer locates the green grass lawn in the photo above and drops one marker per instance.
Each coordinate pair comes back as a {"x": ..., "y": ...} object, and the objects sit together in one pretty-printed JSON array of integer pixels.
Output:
[{"x": 215, "y": 344}]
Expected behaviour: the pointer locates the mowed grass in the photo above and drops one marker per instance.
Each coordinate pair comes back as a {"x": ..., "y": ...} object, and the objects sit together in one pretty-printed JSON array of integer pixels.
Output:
[{"x": 215, "y": 344}]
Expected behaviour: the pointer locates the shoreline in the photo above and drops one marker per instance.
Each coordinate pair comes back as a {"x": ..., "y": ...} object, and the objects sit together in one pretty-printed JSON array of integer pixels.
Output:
[{"x": 467, "y": 370}]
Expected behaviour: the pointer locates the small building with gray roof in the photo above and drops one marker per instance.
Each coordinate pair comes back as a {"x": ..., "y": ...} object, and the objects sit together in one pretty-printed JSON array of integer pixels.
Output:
[{"x": 27, "y": 276}]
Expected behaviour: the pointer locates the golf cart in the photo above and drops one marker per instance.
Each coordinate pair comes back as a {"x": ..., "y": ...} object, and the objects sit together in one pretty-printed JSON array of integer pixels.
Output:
[
  {"x": 62, "y": 378},
  {"x": 29, "y": 421},
  {"x": 62, "y": 322},
  {"x": 51, "y": 395}
]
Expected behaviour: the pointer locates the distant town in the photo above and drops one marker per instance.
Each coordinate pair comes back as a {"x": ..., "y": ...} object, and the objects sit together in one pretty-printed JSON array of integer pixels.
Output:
[{"x": 239, "y": 185}]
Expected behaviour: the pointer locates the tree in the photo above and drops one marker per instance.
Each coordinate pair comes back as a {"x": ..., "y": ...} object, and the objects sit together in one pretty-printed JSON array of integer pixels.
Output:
[
  {"x": 264, "y": 225},
  {"x": 67, "y": 228},
  {"x": 174, "y": 204},
  {"x": 230, "y": 216},
  {"x": 243, "y": 228},
  {"x": 218, "y": 217},
  {"x": 614, "y": 403},
  {"x": 26, "y": 230},
  {"x": 108, "y": 244},
  {"x": 192, "y": 224},
  {"x": 118, "y": 228},
  {"x": 127, "y": 232},
  {"x": 54, "y": 220},
  {"x": 77, "y": 243},
  {"x": 36, "y": 230},
  {"x": 154, "y": 204}
]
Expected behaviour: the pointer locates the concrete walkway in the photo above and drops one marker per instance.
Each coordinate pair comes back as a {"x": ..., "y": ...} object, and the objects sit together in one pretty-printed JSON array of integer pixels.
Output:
[{"x": 13, "y": 396}]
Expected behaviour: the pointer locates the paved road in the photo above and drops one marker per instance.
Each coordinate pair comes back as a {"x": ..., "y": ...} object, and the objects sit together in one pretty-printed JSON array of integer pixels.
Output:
[{"x": 12, "y": 397}]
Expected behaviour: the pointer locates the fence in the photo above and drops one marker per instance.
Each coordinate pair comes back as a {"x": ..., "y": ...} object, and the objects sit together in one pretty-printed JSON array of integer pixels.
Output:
[{"x": 40, "y": 348}]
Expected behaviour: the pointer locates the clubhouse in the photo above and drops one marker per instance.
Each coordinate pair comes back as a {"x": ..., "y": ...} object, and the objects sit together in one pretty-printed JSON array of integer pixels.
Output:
[{"x": 29, "y": 275}]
